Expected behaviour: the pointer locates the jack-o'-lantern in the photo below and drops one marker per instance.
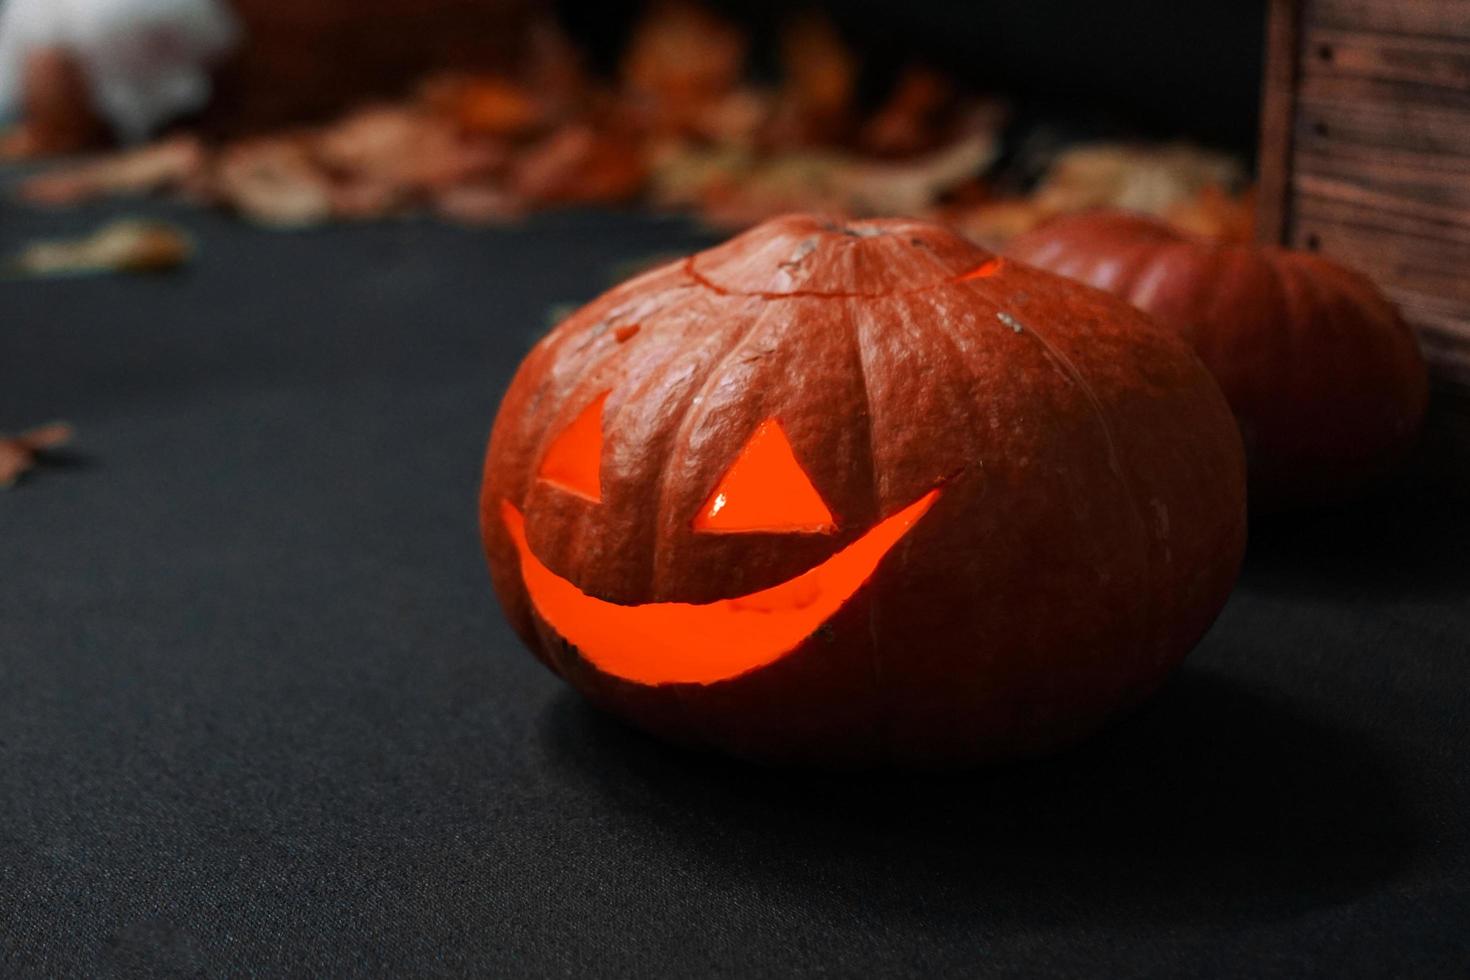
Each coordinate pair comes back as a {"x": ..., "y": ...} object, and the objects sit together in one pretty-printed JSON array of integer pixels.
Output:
[
  {"x": 862, "y": 493},
  {"x": 1325, "y": 379}
]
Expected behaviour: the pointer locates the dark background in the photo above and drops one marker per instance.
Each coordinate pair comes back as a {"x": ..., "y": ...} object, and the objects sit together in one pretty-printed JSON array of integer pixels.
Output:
[
  {"x": 260, "y": 715},
  {"x": 1176, "y": 69}
]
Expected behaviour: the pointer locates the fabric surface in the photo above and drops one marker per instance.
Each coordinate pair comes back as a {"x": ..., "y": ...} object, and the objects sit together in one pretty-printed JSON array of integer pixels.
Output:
[{"x": 259, "y": 714}]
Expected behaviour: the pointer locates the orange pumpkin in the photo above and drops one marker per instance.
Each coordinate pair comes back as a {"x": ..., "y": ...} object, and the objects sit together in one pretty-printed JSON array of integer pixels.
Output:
[
  {"x": 862, "y": 493},
  {"x": 1325, "y": 379}
]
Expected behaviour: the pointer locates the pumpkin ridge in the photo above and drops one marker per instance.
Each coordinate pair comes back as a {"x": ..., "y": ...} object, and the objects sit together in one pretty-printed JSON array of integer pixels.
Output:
[
  {"x": 1150, "y": 274},
  {"x": 1302, "y": 294},
  {"x": 959, "y": 377},
  {"x": 1132, "y": 262},
  {"x": 687, "y": 417},
  {"x": 880, "y": 703},
  {"x": 611, "y": 306},
  {"x": 1070, "y": 369},
  {"x": 572, "y": 404},
  {"x": 601, "y": 371}
]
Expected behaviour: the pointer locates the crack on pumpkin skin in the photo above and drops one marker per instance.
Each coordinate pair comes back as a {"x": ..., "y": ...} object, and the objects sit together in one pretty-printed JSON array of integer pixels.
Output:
[{"x": 714, "y": 287}]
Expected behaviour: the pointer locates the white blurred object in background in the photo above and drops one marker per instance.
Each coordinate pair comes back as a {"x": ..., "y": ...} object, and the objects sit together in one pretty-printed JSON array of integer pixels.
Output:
[{"x": 146, "y": 62}]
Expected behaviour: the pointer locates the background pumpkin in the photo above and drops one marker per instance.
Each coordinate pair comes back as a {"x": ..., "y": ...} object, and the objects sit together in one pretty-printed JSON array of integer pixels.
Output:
[
  {"x": 1325, "y": 379},
  {"x": 1088, "y": 529}
]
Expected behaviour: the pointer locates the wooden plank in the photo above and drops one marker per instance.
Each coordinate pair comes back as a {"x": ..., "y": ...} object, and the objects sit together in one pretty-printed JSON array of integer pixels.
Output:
[
  {"x": 1316, "y": 150},
  {"x": 1404, "y": 126},
  {"x": 1430, "y": 18},
  {"x": 1347, "y": 89},
  {"x": 1431, "y": 198},
  {"x": 1434, "y": 267},
  {"x": 1423, "y": 61},
  {"x": 1278, "y": 113},
  {"x": 1347, "y": 210}
]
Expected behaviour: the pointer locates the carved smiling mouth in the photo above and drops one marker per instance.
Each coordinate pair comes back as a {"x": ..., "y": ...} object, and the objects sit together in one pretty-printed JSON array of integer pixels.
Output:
[{"x": 701, "y": 643}]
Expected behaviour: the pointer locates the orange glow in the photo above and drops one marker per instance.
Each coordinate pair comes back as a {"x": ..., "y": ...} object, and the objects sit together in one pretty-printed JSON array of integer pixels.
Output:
[
  {"x": 765, "y": 490},
  {"x": 687, "y": 643},
  {"x": 984, "y": 270},
  {"x": 574, "y": 461}
]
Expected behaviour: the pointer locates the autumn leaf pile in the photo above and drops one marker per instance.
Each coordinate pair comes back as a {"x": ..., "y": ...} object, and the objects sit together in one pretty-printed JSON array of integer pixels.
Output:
[{"x": 680, "y": 126}]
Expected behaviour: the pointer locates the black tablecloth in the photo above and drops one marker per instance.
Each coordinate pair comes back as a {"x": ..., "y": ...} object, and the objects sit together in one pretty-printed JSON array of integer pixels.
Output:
[{"x": 260, "y": 714}]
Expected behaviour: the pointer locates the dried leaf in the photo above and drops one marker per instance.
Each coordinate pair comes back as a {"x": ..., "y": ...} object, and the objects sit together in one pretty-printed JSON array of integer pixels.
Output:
[
  {"x": 1179, "y": 182},
  {"x": 992, "y": 224},
  {"x": 681, "y": 59},
  {"x": 20, "y": 453},
  {"x": 554, "y": 69},
  {"x": 404, "y": 147},
  {"x": 486, "y": 105},
  {"x": 766, "y": 187},
  {"x": 479, "y": 205},
  {"x": 913, "y": 186},
  {"x": 1150, "y": 179},
  {"x": 908, "y": 122},
  {"x": 736, "y": 191},
  {"x": 820, "y": 73},
  {"x": 1213, "y": 213},
  {"x": 738, "y": 118},
  {"x": 578, "y": 164},
  {"x": 684, "y": 175},
  {"x": 149, "y": 169},
  {"x": 121, "y": 246},
  {"x": 367, "y": 199},
  {"x": 274, "y": 182}
]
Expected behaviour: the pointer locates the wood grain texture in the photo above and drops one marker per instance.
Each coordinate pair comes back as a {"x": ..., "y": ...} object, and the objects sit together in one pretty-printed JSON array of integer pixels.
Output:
[
  {"x": 1435, "y": 61},
  {"x": 1426, "y": 18}
]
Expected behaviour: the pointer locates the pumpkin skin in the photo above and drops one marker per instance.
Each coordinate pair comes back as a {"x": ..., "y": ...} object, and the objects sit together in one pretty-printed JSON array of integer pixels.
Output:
[
  {"x": 1085, "y": 478},
  {"x": 1325, "y": 378}
]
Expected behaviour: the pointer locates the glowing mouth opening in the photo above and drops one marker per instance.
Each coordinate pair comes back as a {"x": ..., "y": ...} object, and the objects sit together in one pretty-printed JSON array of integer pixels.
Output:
[{"x": 701, "y": 643}]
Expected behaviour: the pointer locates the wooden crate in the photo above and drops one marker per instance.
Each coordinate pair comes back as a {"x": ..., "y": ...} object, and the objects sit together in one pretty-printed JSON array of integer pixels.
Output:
[{"x": 1365, "y": 152}]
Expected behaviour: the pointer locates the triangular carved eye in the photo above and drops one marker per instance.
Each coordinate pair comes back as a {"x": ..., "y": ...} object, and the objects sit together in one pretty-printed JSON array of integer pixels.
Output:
[
  {"x": 574, "y": 460},
  {"x": 765, "y": 490}
]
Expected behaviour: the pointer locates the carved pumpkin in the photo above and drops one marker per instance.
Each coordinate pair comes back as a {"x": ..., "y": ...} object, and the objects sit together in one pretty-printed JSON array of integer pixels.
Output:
[
  {"x": 1324, "y": 377},
  {"x": 862, "y": 493}
]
